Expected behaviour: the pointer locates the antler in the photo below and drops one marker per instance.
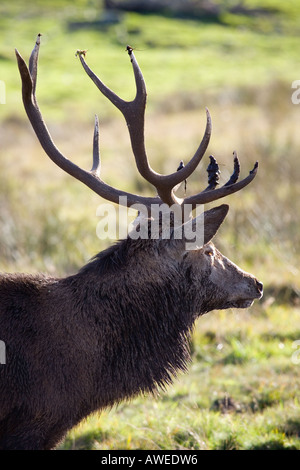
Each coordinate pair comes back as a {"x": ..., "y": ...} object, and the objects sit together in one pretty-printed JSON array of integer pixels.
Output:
[
  {"x": 90, "y": 178},
  {"x": 211, "y": 194},
  {"x": 134, "y": 114}
]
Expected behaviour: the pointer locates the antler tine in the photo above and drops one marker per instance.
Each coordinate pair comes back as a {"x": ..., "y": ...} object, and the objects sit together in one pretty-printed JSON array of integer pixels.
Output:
[
  {"x": 89, "y": 178},
  {"x": 107, "y": 92},
  {"x": 236, "y": 171},
  {"x": 96, "y": 152},
  {"x": 213, "y": 173},
  {"x": 232, "y": 186},
  {"x": 141, "y": 93},
  {"x": 33, "y": 63},
  {"x": 134, "y": 114}
]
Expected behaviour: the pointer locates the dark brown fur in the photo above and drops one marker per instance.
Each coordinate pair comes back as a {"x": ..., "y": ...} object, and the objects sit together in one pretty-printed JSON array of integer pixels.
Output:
[{"x": 119, "y": 327}]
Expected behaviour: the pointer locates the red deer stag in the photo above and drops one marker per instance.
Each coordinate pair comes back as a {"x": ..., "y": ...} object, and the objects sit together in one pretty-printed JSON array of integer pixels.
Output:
[{"x": 120, "y": 326}]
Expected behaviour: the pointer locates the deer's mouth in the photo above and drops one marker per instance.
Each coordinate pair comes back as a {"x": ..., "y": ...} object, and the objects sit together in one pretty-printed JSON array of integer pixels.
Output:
[
  {"x": 246, "y": 303},
  {"x": 240, "y": 303}
]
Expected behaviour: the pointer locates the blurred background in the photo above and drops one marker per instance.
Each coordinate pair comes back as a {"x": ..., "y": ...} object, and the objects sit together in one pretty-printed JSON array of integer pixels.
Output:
[{"x": 239, "y": 58}]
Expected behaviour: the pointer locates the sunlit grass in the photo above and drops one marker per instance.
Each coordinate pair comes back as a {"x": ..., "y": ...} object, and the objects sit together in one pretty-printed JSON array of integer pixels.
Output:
[
  {"x": 250, "y": 401},
  {"x": 173, "y": 53}
]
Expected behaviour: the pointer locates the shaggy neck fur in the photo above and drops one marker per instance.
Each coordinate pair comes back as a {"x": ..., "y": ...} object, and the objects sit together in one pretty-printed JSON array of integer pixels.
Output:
[{"x": 145, "y": 341}]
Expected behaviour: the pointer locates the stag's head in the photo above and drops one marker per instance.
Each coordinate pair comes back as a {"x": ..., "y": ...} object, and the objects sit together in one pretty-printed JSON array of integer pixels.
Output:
[{"x": 188, "y": 237}]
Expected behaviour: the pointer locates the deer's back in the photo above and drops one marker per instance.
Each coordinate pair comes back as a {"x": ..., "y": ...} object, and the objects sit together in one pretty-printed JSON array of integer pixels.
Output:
[{"x": 44, "y": 358}]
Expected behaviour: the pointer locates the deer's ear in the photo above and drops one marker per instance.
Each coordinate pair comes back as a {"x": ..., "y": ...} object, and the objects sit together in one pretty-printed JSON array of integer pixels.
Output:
[
  {"x": 197, "y": 232},
  {"x": 213, "y": 218}
]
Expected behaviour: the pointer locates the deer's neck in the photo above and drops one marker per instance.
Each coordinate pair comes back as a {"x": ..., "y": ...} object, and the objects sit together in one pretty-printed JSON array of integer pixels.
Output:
[{"x": 143, "y": 330}]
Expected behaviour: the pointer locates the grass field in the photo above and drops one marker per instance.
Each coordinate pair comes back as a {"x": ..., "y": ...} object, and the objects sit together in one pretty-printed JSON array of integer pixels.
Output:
[{"x": 242, "y": 388}]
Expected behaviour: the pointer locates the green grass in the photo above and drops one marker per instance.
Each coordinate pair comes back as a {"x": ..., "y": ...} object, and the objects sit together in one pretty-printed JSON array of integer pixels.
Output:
[
  {"x": 173, "y": 53},
  {"x": 241, "y": 392},
  {"x": 242, "y": 389}
]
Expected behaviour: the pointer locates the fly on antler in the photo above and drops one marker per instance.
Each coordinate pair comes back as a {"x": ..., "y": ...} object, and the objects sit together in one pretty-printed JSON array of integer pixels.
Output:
[{"x": 134, "y": 114}]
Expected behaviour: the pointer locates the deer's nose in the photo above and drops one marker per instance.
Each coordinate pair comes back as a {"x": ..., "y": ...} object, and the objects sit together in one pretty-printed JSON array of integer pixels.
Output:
[{"x": 260, "y": 286}]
